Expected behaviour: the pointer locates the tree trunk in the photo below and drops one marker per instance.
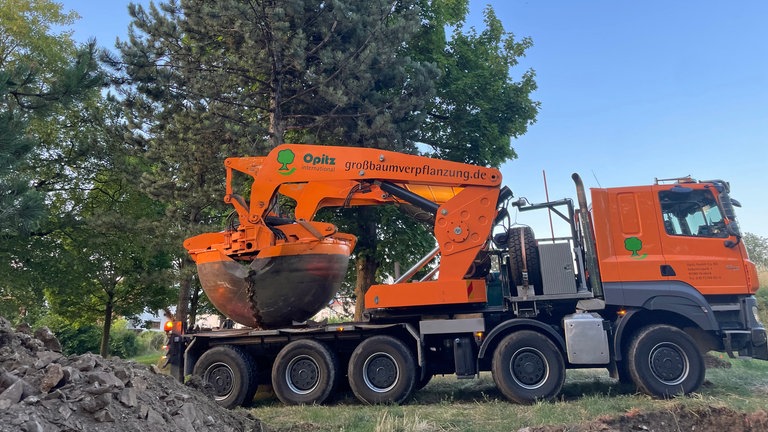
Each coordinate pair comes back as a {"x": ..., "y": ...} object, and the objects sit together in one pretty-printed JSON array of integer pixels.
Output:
[
  {"x": 365, "y": 263},
  {"x": 194, "y": 303},
  {"x": 185, "y": 288},
  {"x": 104, "y": 348},
  {"x": 276, "y": 120},
  {"x": 365, "y": 270}
]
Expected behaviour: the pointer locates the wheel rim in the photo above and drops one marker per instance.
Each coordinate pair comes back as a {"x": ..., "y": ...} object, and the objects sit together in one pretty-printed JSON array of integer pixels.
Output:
[
  {"x": 529, "y": 368},
  {"x": 221, "y": 377},
  {"x": 668, "y": 363},
  {"x": 302, "y": 374},
  {"x": 381, "y": 372}
]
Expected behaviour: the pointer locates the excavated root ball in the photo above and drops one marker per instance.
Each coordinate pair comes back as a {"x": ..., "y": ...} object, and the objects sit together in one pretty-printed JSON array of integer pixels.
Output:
[{"x": 288, "y": 284}]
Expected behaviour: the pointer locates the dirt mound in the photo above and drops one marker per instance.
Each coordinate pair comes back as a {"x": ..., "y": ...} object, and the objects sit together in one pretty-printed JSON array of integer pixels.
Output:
[
  {"x": 713, "y": 362},
  {"x": 677, "y": 419},
  {"x": 43, "y": 390}
]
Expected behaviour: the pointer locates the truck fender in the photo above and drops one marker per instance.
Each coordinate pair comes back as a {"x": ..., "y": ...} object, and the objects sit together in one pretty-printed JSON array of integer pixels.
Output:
[
  {"x": 670, "y": 296},
  {"x": 502, "y": 329},
  {"x": 684, "y": 303}
]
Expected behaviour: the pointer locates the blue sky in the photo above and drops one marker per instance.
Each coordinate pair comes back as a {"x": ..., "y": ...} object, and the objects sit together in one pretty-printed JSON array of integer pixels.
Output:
[{"x": 630, "y": 91}]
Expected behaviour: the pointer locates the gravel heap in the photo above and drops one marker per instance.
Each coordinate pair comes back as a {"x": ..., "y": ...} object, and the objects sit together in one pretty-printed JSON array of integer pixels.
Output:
[{"x": 42, "y": 390}]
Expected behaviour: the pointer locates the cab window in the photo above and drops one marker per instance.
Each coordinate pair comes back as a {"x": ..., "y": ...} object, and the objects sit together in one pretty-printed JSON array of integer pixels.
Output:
[{"x": 692, "y": 212}]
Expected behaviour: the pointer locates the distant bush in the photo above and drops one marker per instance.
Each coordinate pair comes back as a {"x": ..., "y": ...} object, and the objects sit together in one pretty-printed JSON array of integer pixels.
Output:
[
  {"x": 762, "y": 296},
  {"x": 151, "y": 341},
  {"x": 74, "y": 338},
  {"x": 123, "y": 342}
]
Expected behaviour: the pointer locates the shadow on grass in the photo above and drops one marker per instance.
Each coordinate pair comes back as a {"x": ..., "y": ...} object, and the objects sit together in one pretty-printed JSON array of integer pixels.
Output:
[
  {"x": 448, "y": 389},
  {"x": 598, "y": 387}
]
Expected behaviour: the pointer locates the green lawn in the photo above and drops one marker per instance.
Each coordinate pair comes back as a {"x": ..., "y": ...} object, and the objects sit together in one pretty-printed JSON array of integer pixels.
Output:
[
  {"x": 148, "y": 359},
  {"x": 448, "y": 404}
]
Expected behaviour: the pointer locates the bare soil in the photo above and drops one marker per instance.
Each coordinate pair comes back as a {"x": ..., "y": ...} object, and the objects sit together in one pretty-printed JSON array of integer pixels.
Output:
[{"x": 678, "y": 419}]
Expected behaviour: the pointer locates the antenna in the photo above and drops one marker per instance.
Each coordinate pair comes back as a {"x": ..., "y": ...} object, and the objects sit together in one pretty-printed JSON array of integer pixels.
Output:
[
  {"x": 596, "y": 180},
  {"x": 549, "y": 209}
]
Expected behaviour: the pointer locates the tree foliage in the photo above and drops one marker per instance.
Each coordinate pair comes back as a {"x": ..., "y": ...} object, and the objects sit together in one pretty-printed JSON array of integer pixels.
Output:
[
  {"x": 42, "y": 74},
  {"x": 757, "y": 246},
  {"x": 210, "y": 80},
  {"x": 478, "y": 106},
  {"x": 205, "y": 80},
  {"x": 86, "y": 248}
]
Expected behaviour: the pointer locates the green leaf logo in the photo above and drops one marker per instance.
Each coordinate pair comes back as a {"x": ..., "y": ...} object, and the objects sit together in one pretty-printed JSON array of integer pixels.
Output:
[
  {"x": 286, "y": 157},
  {"x": 634, "y": 245}
]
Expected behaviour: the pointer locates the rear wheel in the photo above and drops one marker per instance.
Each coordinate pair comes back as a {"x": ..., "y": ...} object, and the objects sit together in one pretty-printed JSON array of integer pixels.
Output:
[
  {"x": 304, "y": 372},
  {"x": 527, "y": 367},
  {"x": 231, "y": 373},
  {"x": 664, "y": 361},
  {"x": 382, "y": 370}
]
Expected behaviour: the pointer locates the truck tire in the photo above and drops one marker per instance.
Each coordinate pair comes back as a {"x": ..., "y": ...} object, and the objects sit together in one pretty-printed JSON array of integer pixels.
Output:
[
  {"x": 664, "y": 361},
  {"x": 622, "y": 372},
  {"x": 422, "y": 382},
  {"x": 231, "y": 372},
  {"x": 305, "y": 372},
  {"x": 382, "y": 370},
  {"x": 519, "y": 240},
  {"x": 528, "y": 367}
]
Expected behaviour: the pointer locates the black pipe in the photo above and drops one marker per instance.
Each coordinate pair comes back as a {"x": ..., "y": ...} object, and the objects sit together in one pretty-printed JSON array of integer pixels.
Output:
[
  {"x": 412, "y": 198},
  {"x": 589, "y": 238}
]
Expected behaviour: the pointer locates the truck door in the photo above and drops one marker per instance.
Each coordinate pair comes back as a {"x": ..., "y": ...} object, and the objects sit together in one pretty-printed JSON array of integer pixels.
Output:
[
  {"x": 693, "y": 238},
  {"x": 628, "y": 238}
]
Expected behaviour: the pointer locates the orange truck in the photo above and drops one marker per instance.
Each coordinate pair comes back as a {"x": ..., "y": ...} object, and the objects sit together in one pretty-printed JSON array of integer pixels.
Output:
[{"x": 649, "y": 279}]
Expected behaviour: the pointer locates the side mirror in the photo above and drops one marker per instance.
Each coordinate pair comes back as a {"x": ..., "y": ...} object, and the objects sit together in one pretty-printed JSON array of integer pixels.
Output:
[{"x": 735, "y": 203}]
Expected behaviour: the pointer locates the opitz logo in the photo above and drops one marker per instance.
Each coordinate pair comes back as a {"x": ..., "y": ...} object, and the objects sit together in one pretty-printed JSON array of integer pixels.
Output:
[
  {"x": 286, "y": 157},
  {"x": 319, "y": 160}
]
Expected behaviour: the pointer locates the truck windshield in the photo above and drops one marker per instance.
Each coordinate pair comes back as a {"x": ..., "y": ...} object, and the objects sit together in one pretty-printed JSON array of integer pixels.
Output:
[{"x": 693, "y": 213}]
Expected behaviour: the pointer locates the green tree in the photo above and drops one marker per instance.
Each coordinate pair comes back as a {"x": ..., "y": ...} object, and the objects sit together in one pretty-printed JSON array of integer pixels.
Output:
[
  {"x": 89, "y": 253},
  {"x": 40, "y": 71},
  {"x": 757, "y": 246},
  {"x": 109, "y": 261},
  {"x": 216, "y": 79},
  {"x": 479, "y": 107},
  {"x": 42, "y": 75},
  {"x": 211, "y": 79}
]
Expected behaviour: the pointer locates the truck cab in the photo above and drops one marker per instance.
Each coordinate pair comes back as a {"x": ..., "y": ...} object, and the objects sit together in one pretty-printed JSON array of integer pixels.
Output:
[{"x": 674, "y": 249}]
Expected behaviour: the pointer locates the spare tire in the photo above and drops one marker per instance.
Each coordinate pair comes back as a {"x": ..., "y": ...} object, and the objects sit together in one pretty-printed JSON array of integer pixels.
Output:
[{"x": 524, "y": 255}]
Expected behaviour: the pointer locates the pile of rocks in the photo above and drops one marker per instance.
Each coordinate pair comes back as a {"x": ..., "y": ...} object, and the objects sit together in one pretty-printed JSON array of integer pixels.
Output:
[{"x": 43, "y": 390}]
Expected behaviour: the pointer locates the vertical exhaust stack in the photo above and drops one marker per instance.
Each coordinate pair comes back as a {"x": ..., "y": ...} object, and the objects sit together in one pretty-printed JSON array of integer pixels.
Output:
[{"x": 590, "y": 248}]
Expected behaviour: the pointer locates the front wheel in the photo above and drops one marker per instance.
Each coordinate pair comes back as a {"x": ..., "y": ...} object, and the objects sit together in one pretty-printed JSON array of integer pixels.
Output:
[
  {"x": 382, "y": 370},
  {"x": 231, "y": 372},
  {"x": 527, "y": 367},
  {"x": 664, "y": 361},
  {"x": 304, "y": 372}
]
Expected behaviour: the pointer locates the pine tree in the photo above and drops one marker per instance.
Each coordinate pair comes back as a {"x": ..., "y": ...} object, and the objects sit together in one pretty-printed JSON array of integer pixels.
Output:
[
  {"x": 42, "y": 75},
  {"x": 210, "y": 80}
]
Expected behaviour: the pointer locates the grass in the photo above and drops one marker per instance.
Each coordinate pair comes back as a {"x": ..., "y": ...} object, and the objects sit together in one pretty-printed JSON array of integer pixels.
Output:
[
  {"x": 148, "y": 359},
  {"x": 448, "y": 404}
]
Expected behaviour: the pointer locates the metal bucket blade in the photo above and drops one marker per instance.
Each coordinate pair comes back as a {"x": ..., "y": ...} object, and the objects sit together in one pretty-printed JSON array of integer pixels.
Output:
[
  {"x": 289, "y": 288},
  {"x": 225, "y": 284}
]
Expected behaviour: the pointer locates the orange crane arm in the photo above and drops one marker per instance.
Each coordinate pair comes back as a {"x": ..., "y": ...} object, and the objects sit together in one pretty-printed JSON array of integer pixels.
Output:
[{"x": 463, "y": 198}]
